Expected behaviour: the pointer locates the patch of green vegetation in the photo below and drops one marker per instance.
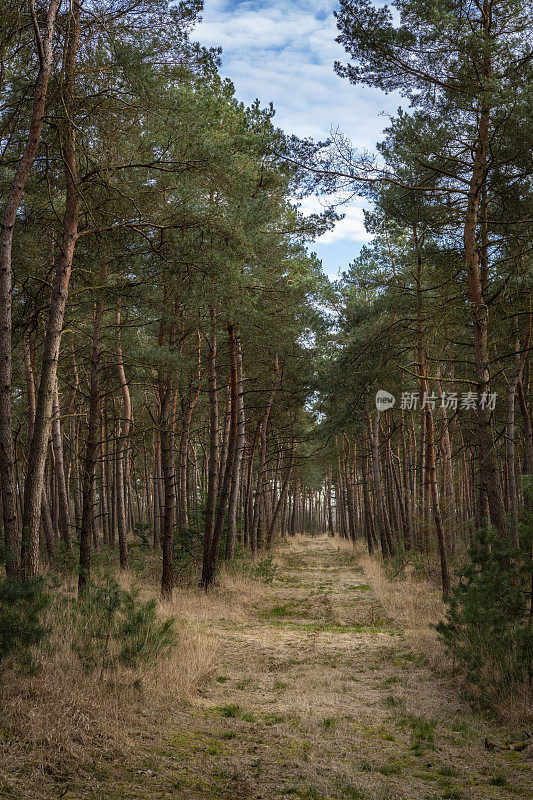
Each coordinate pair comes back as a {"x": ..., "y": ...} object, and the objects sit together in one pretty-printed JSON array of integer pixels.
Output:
[
  {"x": 391, "y": 680},
  {"x": 448, "y": 772},
  {"x": 379, "y": 626},
  {"x": 305, "y": 749},
  {"x": 329, "y": 722},
  {"x": 422, "y": 732},
  {"x": 489, "y": 604},
  {"x": 359, "y": 587},
  {"x": 499, "y": 780},
  {"x": 273, "y": 719},
  {"x": 349, "y": 792},
  {"x": 191, "y": 741},
  {"x": 423, "y": 729},
  {"x": 304, "y": 793},
  {"x": 390, "y": 769},
  {"x": 284, "y": 610},
  {"x": 391, "y": 701},
  {"x": 405, "y": 659},
  {"x": 234, "y": 711},
  {"x": 221, "y": 679}
]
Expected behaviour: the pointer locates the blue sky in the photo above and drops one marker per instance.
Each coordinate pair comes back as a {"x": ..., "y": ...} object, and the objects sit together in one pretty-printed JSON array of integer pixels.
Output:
[{"x": 284, "y": 52}]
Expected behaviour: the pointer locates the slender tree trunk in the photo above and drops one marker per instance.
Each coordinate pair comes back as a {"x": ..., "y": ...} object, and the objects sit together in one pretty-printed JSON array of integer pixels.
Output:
[
  {"x": 209, "y": 570},
  {"x": 237, "y": 461},
  {"x": 282, "y": 497},
  {"x": 122, "y": 450},
  {"x": 183, "y": 500},
  {"x": 169, "y": 485},
  {"x": 44, "y": 42},
  {"x": 488, "y": 475},
  {"x": 213, "y": 467},
  {"x": 378, "y": 486},
  {"x": 91, "y": 452},
  {"x": 54, "y": 327},
  {"x": 59, "y": 469},
  {"x": 260, "y": 486}
]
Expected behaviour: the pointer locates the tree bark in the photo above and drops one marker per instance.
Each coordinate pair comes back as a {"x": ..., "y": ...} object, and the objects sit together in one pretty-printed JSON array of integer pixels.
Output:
[
  {"x": 54, "y": 326},
  {"x": 45, "y": 52},
  {"x": 237, "y": 461},
  {"x": 122, "y": 450},
  {"x": 59, "y": 469},
  {"x": 91, "y": 452},
  {"x": 213, "y": 465}
]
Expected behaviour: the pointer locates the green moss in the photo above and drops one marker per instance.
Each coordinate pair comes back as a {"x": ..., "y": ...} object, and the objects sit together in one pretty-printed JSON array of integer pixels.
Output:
[
  {"x": 273, "y": 719},
  {"x": 234, "y": 711},
  {"x": 379, "y": 626},
  {"x": 390, "y": 769},
  {"x": 304, "y": 793},
  {"x": 499, "y": 780}
]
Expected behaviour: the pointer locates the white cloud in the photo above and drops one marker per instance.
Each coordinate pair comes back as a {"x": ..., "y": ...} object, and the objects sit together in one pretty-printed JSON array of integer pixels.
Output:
[
  {"x": 349, "y": 229},
  {"x": 284, "y": 52}
]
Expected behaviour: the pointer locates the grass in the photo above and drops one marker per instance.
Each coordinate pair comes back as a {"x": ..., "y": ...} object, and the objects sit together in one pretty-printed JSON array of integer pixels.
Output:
[
  {"x": 326, "y": 709},
  {"x": 59, "y": 716},
  {"x": 304, "y": 793},
  {"x": 379, "y": 626},
  {"x": 412, "y": 604},
  {"x": 234, "y": 711},
  {"x": 499, "y": 780}
]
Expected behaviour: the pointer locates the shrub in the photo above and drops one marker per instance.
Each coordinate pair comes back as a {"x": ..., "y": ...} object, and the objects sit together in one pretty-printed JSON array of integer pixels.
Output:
[
  {"x": 112, "y": 627},
  {"x": 21, "y": 605},
  {"x": 265, "y": 569},
  {"x": 487, "y": 625}
]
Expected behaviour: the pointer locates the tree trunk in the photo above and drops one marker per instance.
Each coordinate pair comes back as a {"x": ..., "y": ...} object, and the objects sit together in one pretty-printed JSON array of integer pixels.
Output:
[
  {"x": 259, "y": 489},
  {"x": 7, "y": 451},
  {"x": 91, "y": 452},
  {"x": 54, "y": 327},
  {"x": 237, "y": 461},
  {"x": 209, "y": 570},
  {"x": 59, "y": 469},
  {"x": 122, "y": 451},
  {"x": 282, "y": 496},
  {"x": 213, "y": 466}
]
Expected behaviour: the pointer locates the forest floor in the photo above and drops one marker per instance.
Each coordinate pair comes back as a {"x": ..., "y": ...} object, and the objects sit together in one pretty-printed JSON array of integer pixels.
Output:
[{"x": 313, "y": 694}]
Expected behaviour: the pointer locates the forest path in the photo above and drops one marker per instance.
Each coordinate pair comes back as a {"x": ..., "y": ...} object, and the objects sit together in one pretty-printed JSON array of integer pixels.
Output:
[{"x": 315, "y": 695}]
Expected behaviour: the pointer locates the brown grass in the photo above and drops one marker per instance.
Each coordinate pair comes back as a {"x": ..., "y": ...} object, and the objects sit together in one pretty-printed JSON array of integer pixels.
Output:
[
  {"x": 414, "y": 605},
  {"x": 56, "y": 720},
  {"x": 409, "y": 602}
]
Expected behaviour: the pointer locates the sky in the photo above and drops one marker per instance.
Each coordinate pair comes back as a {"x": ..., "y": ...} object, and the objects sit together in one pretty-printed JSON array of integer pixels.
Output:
[{"x": 283, "y": 51}]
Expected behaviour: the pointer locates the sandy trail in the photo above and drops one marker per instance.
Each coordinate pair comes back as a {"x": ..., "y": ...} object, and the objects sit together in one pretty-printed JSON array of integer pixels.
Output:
[{"x": 315, "y": 695}]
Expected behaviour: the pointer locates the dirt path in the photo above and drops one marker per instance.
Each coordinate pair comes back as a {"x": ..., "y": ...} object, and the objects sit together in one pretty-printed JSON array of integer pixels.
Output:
[{"x": 316, "y": 696}]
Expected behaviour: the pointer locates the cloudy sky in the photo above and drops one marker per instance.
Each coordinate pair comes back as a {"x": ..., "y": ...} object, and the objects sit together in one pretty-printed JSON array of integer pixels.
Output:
[{"x": 283, "y": 51}]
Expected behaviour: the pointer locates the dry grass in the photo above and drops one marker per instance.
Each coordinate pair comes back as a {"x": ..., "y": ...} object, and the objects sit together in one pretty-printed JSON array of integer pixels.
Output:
[
  {"x": 288, "y": 696},
  {"x": 414, "y": 605},
  {"x": 409, "y": 602},
  {"x": 57, "y": 720}
]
